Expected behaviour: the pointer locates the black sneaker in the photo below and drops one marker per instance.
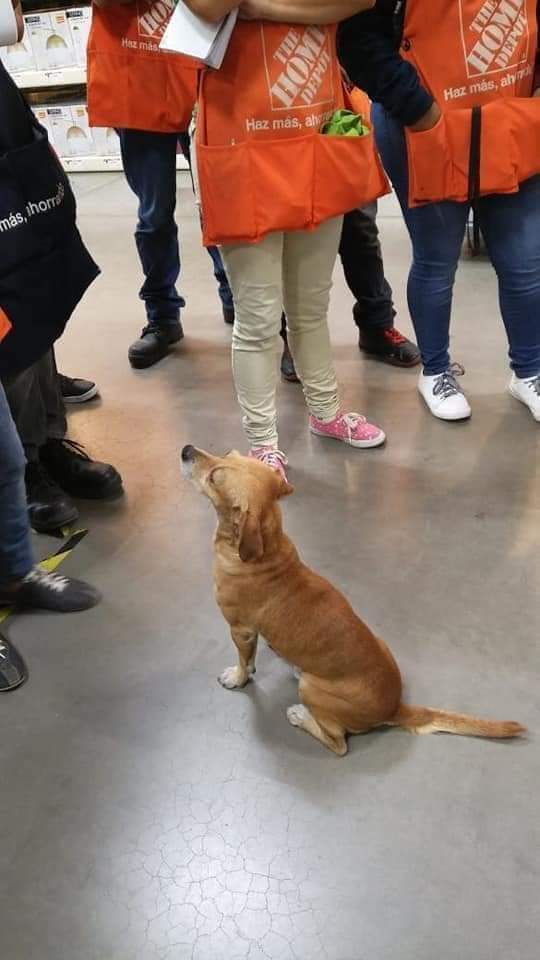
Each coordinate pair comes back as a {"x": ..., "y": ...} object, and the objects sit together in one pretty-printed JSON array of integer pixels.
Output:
[
  {"x": 49, "y": 508},
  {"x": 153, "y": 344},
  {"x": 13, "y": 670},
  {"x": 76, "y": 390},
  {"x": 70, "y": 466},
  {"x": 228, "y": 315},
  {"x": 39, "y": 590},
  {"x": 390, "y": 346}
]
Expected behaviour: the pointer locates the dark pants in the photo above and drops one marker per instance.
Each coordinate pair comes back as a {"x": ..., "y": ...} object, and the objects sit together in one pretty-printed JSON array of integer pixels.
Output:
[
  {"x": 360, "y": 252},
  {"x": 510, "y": 225},
  {"x": 149, "y": 161},
  {"x": 16, "y": 558},
  {"x": 36, "y": 405}
]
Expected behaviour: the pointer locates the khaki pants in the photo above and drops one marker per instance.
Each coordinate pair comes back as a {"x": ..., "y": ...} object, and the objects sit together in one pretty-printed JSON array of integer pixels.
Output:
[{"x": 291, "y": 272}]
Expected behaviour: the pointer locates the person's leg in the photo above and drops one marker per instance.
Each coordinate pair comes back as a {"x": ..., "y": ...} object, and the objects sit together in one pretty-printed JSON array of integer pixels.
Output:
[
  {"x": 21, "y": 584},
  {"x": 51, "y": 395},
  {"x": 511, "y": 228},
  {"x": 308, "y": 263},
  {"x": 65, "y": 461},
  {"x": 16, "y": 558},
  {"x": 436, "y": 231},
  {"x": 24, "y": 398},
  {"x": 373, "y": 311},
  {"x": 361, "y": 257},
  {"x": 149, "y": 161},
  {"x": 255, "y": 276},
  {"x": 48, "y": 506},
  {"x": 224, "y": 290}
]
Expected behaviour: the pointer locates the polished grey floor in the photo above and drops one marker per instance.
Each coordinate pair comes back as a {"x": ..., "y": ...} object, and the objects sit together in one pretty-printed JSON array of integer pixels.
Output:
[{"x": 147, "y": 814}]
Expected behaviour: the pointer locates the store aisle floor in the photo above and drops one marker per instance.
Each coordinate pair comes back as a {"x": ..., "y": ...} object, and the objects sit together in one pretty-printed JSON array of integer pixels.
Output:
[{"x": 147, "y": 814}]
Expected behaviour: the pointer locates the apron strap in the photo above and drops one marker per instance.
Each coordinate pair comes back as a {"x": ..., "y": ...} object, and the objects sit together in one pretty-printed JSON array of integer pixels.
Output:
[{"x": 475, "y": 242}]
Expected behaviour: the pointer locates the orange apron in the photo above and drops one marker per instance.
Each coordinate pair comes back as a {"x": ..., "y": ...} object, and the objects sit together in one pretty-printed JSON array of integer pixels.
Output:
[
  {"x": 131, "y": 82},
  {"x": 477, "y": 58},
  {"x": 5, "y": 325},
  {"x": 263, "y": 164}
]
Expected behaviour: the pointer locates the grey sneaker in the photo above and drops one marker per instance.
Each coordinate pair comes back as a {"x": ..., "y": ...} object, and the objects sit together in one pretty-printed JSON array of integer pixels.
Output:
[
  {"x": 39, "y": 590},
  {"x": 13, "y": 670}
]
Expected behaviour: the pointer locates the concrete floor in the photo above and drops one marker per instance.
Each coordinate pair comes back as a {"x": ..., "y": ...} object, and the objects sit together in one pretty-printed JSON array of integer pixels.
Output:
[{"x": 150, "y": 815}]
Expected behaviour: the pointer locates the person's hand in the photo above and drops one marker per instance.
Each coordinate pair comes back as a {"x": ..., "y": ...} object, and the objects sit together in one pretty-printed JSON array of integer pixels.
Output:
[
  {"x": 19, "y": 18},
  {"x": 428, "y": 121},
  {"x": 251, "y": 10}
]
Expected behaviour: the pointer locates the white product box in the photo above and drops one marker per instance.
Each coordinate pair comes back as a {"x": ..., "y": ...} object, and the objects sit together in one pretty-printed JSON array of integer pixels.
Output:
[
  {"x": 51, "y": 41},
  {"x": 79, "y": 19},
  {"x": 42, "y": 114},
  {"x": 106, "y": 142},
  {"x": 70, "y": 131},
  {"x": 19, "y": 57}
]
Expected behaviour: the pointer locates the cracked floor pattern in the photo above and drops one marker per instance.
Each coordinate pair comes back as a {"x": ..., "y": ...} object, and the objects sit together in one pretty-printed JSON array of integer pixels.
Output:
[{"x": 148, "y": 814}]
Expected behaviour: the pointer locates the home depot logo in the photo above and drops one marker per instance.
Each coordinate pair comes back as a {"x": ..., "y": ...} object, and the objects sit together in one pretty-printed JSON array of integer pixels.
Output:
[
  {"x": 153, "y": 18},
  {"x": 498, "y": 36},
  {"x": 299, "y": 71}
]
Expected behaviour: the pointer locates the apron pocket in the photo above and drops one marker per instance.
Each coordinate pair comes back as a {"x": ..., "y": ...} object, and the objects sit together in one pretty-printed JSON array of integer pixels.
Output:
[
  {"x": 348, "y": 174},
  {"x": 226, "y": 194},
  {"x": 282, "y": 172},
  {"x": 431, "y": 167},
  {"x": 510, "y": 144}
]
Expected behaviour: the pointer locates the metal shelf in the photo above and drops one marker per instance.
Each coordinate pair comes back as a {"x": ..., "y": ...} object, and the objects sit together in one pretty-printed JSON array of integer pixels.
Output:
[
  {"x": 57, "y": 77},
  {"x": 103, "y": 164}
]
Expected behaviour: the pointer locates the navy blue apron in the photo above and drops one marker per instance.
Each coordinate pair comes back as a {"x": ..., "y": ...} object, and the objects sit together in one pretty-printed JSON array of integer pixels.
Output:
[{"x": 44, "y": 266}]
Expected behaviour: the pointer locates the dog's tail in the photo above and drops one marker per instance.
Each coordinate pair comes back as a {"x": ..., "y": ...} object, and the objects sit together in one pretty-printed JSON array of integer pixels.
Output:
[{"x": 426, "y": 720}]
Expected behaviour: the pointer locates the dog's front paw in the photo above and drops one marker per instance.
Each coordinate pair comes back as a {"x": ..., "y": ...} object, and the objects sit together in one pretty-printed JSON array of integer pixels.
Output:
[
  {"x": 233, "y": 677},
  {"x": 296, "y": 715}
]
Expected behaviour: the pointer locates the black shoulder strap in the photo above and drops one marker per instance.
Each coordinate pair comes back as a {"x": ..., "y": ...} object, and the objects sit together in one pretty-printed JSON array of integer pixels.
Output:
[
  {"x": 475, "y": 153},
  {"x": 473, "y": 231}
]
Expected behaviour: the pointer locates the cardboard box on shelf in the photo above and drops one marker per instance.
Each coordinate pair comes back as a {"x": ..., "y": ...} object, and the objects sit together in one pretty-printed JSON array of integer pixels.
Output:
[
  {"x": 70, "y": 131},
  {"x": 51, "y": 40},
  {"x": 79, "y": 19},
  {"x": 106, "y": 142},
  {"x": 42, "y": 114},
  {"x": 19, "y": 57}
]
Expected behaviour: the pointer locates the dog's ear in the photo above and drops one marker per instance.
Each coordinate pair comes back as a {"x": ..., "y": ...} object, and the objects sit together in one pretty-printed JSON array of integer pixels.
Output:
[{"x": 248, "y": 534}]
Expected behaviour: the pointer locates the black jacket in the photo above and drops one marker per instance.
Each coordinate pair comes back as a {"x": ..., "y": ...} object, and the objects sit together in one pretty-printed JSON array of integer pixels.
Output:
[{"x": 368, "y": 47}]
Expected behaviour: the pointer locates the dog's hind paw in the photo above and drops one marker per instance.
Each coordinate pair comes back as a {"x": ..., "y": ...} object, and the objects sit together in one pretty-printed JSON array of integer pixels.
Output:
[
  {"x": 233, "y": 677},
  {"x": 297, "y": 714}
]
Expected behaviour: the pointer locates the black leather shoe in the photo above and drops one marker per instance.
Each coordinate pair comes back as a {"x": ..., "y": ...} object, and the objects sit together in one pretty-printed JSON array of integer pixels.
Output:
[
  {"x": 49, "y": 508},
  {"x": 73, "y": 470},
  {"x": 153, "y": 344},
  {"x": 13, "y": 670},
  {"x": 390, "y": 346}
]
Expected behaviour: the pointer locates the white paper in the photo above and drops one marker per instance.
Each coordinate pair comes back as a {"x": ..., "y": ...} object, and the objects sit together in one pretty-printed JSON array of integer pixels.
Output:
[
  {"x": 8, "y": 24},
  {"x": 193, "y": 37}
]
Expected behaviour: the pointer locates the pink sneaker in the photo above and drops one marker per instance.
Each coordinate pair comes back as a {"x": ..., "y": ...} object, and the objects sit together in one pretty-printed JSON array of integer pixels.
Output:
[
  {"x": 350, "y": 428},
  {"x": 272, "y": 457}
]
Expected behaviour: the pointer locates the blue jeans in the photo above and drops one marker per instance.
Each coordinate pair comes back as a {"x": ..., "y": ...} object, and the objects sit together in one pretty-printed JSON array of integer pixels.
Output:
[
  {"x": 16, "y": 558},
  {"x": 149, "y": 161},
  {"x": 510, "y": 226}
]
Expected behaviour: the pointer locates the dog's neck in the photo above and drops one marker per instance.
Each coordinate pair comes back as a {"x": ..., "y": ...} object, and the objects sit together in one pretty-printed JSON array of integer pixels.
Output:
[{"x": 226, "y": 535}]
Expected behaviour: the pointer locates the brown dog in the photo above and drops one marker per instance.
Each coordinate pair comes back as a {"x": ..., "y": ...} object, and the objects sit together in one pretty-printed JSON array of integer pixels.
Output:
[{"x": 349, "y": 680}]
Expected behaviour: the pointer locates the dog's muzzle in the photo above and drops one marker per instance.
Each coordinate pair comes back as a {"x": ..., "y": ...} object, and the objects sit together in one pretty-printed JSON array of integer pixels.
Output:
[{"x": 188, "y": 459}]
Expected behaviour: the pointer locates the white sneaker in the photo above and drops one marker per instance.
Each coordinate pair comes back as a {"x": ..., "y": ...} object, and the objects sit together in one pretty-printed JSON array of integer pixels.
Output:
[
  {"x": 444, "y": 396},
  {"x": 528, "y": 391}
]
